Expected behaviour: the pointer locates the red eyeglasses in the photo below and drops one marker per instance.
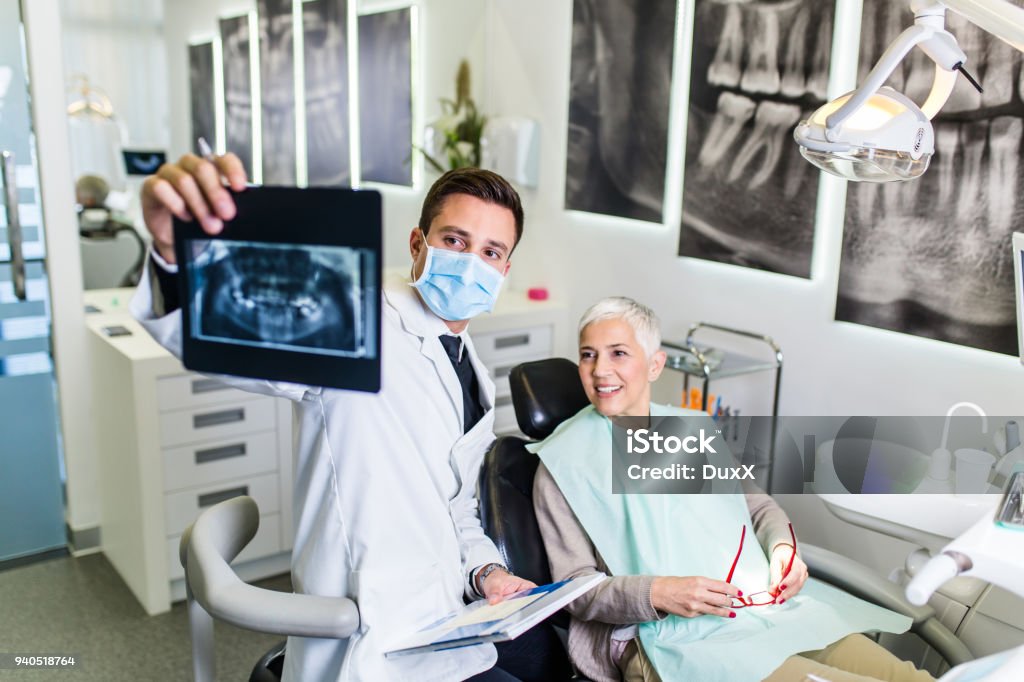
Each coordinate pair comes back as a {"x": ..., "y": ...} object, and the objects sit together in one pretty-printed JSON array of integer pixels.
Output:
[{"x": 763, "y": 598}]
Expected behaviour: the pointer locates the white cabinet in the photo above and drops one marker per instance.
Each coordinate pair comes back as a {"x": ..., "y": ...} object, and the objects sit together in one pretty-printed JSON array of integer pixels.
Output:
[{"x": 171, "y": 443}]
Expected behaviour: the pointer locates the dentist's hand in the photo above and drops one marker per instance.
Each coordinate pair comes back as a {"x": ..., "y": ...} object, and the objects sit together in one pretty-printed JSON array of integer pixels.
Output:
[
  {"x": 694, "y": 596},
  {"x": 784, "y": 587},
  {"x": 500, "y": 584},
  {"x": 191, "y": 188}
]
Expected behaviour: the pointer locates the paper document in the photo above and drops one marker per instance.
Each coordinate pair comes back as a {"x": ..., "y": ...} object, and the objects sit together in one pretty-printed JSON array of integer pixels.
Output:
[{"x": 482, "y": 622}]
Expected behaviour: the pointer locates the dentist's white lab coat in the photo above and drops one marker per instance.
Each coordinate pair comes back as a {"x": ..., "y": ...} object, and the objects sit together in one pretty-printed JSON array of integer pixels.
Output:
[{"x": 385, "y": 497}]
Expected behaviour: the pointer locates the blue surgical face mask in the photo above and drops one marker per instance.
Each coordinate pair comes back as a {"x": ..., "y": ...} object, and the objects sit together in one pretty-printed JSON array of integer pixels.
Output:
[{"x": 457, "y": 286}]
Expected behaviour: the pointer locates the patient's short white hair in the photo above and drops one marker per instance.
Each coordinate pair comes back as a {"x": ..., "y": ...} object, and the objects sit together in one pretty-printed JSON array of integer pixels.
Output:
[{"x": 642, "y": 319}]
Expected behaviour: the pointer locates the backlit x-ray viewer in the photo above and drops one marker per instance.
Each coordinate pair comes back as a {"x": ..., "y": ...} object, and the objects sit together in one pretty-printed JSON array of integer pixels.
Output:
[{"x": 1018, "y": 270}]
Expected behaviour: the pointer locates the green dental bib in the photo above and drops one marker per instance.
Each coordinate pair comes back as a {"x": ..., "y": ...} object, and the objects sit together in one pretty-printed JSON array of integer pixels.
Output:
[{"x": 684, "y": 535}]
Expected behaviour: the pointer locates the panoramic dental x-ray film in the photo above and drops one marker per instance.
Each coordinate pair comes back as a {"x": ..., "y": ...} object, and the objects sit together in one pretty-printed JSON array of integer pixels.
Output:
[{"x": 288, "y": 291}]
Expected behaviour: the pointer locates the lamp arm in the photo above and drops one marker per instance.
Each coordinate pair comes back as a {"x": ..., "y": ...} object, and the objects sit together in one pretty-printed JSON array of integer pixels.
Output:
[{"x": 888, "y": 62}]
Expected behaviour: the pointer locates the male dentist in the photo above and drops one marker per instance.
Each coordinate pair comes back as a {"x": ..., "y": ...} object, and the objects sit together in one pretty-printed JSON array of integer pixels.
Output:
[{"x": 385, "y": 486}]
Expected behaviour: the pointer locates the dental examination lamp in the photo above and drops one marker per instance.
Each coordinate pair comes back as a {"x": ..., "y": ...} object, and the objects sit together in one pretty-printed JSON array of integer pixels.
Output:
[{"x": 876, "y": 134}]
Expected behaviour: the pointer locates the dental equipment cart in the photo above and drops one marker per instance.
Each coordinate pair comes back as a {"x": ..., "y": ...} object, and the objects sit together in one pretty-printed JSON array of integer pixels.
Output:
[{"x": 700, "y": 360}]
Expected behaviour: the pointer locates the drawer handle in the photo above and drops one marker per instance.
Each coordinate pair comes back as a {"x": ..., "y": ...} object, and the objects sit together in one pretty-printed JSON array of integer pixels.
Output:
[
  {"x": 500, "y": 372},
  {"x": 225, "y": 452},
  {"x": 502, "y": 401},
  {"x": 511, "y": 341},
  {"x": 207, "y": 386},
  {"x": 210, "y": 499},
  {"x": 201, "y": 421}
]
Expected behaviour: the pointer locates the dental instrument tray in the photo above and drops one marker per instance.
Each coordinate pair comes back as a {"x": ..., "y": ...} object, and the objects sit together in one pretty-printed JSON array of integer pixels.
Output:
[{"x": 289, "y": 290}]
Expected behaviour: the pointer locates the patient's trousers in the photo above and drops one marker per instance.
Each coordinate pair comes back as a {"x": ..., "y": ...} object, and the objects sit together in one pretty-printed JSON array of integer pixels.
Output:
[{"x": 854, "y": 658}]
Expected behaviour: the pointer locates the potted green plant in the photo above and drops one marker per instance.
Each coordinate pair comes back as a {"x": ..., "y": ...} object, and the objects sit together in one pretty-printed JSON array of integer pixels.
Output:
[{"x": 454, "y": 139}]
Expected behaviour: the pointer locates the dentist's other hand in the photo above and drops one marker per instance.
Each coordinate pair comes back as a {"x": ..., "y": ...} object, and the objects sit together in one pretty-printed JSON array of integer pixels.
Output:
[
  {"x": 192, "y": 188},
  {"x": 500, "y": 584},
  {"x": 785, "y": 587},
  {"x": 692, "y": 596}
]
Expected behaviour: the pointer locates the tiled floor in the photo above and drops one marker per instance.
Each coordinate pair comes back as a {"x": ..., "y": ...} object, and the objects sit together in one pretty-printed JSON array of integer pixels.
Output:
[{"x": 81, "y": 607}]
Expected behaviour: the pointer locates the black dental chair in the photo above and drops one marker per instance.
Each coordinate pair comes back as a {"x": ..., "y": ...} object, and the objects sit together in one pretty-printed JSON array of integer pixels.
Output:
[
  {"x": 544, "y": 394},
  {"x": 547, "y": 392}
]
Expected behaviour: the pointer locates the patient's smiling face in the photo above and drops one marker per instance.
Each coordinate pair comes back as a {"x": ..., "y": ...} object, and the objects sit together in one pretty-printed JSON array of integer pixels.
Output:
[{"x": 615, "y": 370}]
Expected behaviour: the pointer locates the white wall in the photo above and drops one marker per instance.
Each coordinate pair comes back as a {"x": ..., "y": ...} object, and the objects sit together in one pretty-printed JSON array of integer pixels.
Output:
[{"x": 830, "y": 367}]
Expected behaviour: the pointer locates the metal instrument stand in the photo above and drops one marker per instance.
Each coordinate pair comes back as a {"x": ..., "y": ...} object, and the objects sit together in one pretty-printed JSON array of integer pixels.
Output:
[{"x": 732, "y": 364}]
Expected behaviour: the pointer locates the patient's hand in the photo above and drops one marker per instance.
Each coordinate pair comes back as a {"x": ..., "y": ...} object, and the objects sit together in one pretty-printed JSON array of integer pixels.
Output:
[
  {"x": 784, "y": 587},
  {"x": 500, "y": 584},
  {"x": 694, "y": 596}
]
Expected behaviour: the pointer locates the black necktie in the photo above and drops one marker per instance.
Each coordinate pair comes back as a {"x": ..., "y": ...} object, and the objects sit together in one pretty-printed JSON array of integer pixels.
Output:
[{"x": 472, "y": 411}]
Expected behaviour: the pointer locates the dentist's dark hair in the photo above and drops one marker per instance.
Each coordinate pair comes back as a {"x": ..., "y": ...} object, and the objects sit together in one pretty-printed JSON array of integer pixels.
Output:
[{"x": 476, "y": 182}]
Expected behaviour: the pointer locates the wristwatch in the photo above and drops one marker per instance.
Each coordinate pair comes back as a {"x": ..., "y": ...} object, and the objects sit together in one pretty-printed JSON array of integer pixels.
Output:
[{"x": 482, "y": 574}]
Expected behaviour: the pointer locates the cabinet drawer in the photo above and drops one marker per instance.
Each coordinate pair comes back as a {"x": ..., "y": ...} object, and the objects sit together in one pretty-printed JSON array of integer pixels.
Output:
[
  {"x": 210, "y": 462},
  {"x": 214, "y": 422},
  {"x": 266, "y": 542},
  {"x": 495, "y": 348},
  {"x": 194, "y": 390},
  {"x": 500, "y": 373},
  {"x": 504, "y": 416},
  {"x": 181, "y": 508}
]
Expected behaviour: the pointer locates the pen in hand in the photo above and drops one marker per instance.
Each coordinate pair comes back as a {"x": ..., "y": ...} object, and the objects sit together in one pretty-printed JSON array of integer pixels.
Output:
[{"x": 205, "y": 150}]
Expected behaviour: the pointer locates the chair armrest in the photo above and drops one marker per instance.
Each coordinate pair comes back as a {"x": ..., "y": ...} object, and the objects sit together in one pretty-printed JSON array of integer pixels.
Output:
[
  {"x": 862, "y": 582},
  {"x": 207, "y": 547}
]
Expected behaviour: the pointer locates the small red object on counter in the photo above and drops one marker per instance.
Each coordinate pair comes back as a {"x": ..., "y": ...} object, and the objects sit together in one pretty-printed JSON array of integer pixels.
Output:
[{"x": 537, "y": 294}]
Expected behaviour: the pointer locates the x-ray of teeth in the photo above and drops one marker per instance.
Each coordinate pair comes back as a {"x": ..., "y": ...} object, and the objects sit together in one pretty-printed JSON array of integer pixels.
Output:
[
  {"x": 200, "y": 71},
  {"x": 620, "y": 79},
  {"x": 325, "y": 29},
  {"x": 757, "y": 69},
  {"x": 281, "y": 296},
  {"x": 234, "y": 36},
  {"x": 932, "y": 257},
  {"x": 277, "y": 91},
  {"x": 385, "y": 97}
]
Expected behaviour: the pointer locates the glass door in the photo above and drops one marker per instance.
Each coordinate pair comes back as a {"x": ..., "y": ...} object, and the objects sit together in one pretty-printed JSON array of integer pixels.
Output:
[{"x": 31, "y": 498}]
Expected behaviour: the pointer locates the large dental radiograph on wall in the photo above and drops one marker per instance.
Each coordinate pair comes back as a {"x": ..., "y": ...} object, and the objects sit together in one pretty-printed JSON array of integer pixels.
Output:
[
  {"x": 757, "y": 69},
  {"x": 234, "y": 36},
  {"x": 325, "y": 28},
  {"x": 620, "y": 79},
  {"x": 385, "y": 97},
  {"x": 932, "y": 257},
  {"x": 201, "y": 93},
  {"x": 277, "y": 91}
]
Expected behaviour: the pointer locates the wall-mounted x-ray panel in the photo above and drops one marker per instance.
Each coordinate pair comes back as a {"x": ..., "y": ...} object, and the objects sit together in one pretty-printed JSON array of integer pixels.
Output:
[
  {"x": 385, "y": 97},
  {"x": 325, "y": 26},
  {"x": 931, "y": 257},
  {"x": 238, "y": 99},
  {"x": 201, "y": 92},
  {"x": 277, "y": 91},
  {"x": 757, "y": 69},
  {"x": 620, "y": 80}
]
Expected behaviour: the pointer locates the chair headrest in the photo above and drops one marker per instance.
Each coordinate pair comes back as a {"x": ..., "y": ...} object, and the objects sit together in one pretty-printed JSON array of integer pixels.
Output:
[{"x": 545, "y": 393}]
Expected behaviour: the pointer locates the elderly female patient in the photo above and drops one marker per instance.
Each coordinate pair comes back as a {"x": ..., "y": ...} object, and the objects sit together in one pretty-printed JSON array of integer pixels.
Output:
[{"x": 681, "y": 603}]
